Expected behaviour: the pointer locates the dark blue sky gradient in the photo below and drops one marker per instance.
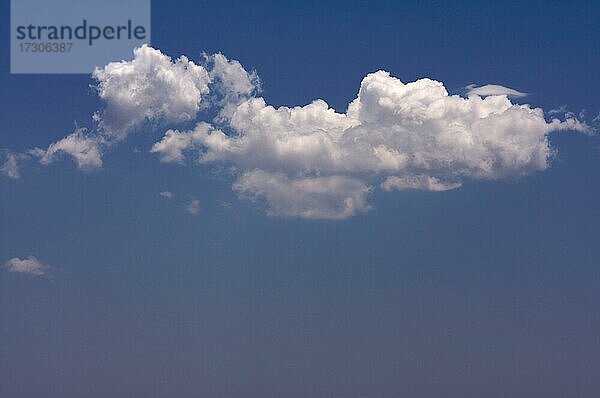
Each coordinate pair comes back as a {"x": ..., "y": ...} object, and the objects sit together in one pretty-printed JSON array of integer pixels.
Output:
[{"x": 491, "y": 290}]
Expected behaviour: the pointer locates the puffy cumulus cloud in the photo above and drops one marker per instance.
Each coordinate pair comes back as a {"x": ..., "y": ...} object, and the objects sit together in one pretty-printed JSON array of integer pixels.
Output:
[
  {"x": 494, "y": 89},
  {"x": 314, "y": 162},
  {"x": 332, "y": 197},
  {"x": 429, "y": 132},
  {"x": 29, "y": 265},
  {"x": 166, "y": 194},
  {"x": 150, "y": 87},
  {"x": 84, "y": 148},
  {"x": 230, "y": 84},
  {"x": 173, "y": 144},
  {"x": 233, "y": 80},
  {"x": 290, "y": 139}
]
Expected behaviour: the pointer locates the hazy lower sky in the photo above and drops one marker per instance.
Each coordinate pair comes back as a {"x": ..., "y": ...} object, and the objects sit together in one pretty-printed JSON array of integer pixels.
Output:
[{"x": 350, "y": 199}]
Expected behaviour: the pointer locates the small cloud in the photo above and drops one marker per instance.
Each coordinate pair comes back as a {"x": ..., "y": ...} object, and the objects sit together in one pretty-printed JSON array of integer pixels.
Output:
[
  {"x": 224, "y": 204},
  {"x": 418, "y": 182},
  {"x": 193, "y": 207},
  {"x": 10, "y": 167},
  {"x": 561, "y": 110},
  {"x": 493, "y": 89},
  {"x": 85, "y": 148},
  {"x": 166, "y": 194},
  {"x": 29, "y": 265}
]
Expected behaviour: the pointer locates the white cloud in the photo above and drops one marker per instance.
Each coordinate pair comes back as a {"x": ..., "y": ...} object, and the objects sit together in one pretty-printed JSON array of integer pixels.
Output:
[
  {"x": 10, "y": 167},
  {"x": 232, "y": 78},
  {"x": 29, "y": 265},
  {"x": 170, "y": 149},
  {"x": 151, "y": 87},
  {"x": 494, "y": 89},
  {"x": 422, "y": 182},
  {"x": 413, "y": 135},
  {"x": 224, "y": 204},
  {"x": 561, "y": 110},
  {"x": 193, "y": 207},
  {"x": 393, "y": 134},
  {"x": 333, "y": 197},
  {"x": 86, "y": 150},
  {"x": 166, "y": 194}
]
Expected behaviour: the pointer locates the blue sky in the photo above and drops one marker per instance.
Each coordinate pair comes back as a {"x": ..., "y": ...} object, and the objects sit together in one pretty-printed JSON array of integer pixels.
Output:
[{"x": 487, "y": 290}]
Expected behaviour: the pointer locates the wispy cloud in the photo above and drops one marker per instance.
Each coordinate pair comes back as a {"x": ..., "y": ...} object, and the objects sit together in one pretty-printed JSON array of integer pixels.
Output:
[
  {"x": 493, "y": 89},
  {"x": 10, "y": 167},
  {"x": 83, "y": 147},
  {"x": 193, "y": 207},
  {"x": 166, "y": 194},
  {"x": 561, "y": 110}
]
